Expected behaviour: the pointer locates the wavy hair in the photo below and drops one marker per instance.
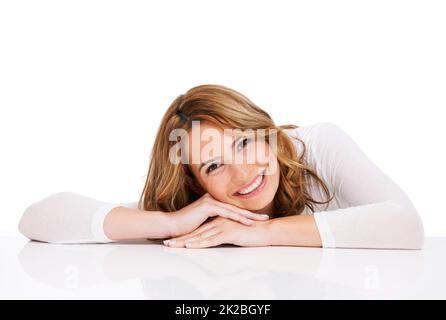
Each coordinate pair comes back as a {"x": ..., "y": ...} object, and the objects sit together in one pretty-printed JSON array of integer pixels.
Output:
[{"x": 170, "y": 187}]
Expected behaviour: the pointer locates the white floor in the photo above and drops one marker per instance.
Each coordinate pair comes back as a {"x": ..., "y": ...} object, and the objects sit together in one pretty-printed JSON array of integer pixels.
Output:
[{"x": 148, "y": 270}]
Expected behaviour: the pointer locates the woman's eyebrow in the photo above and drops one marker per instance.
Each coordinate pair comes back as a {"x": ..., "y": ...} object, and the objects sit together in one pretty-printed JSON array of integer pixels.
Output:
[{"x": 213, "y": 159}]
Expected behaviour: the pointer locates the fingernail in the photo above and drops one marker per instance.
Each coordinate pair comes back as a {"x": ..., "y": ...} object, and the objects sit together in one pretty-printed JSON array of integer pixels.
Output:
[{"x": 166, "y": 242}]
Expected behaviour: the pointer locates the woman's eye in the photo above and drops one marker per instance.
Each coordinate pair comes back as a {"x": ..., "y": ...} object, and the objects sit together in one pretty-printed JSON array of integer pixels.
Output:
[
  {"x": 243, "y": 143},
  {"x": 211, "y": 168}
]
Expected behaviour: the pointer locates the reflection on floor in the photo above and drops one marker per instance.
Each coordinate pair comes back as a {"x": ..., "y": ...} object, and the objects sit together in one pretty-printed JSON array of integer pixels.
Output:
[{"x": 149, "y": 270}]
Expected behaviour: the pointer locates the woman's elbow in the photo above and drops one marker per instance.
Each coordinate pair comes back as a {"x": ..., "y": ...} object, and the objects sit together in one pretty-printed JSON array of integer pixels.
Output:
[
  {"x": 25, "y": 224},
  {"x": 30, "y": 225},
  {"x": 412, "y": 230}
]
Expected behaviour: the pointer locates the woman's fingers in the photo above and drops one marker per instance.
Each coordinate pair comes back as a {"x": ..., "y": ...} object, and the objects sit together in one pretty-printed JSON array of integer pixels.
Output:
[
  {"x": 202, "y": 236},
  {"x": 211, "y": 241},
  {"x": 181, "y": 241},
  {"x": 227, "y": 213},
  {"x": 244, "y": 212},
  {"x": 200, "y": 229}
]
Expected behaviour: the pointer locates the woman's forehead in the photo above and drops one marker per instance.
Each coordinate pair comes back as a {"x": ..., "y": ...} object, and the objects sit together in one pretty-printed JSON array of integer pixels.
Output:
[{"x": 209, "y": 140}]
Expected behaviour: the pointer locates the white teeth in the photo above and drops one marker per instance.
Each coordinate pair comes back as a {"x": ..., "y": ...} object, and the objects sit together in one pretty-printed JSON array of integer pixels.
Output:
[{"x": 253, "y": 186}]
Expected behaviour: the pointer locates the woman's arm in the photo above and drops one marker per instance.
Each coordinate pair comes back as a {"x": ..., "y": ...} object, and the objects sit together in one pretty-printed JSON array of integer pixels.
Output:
[
  {"x": 67, "y": 217},
  {"x": 374, "y": 212},
  {"x": 123, "y": 223},
  {"x": 298, "y": 230}
]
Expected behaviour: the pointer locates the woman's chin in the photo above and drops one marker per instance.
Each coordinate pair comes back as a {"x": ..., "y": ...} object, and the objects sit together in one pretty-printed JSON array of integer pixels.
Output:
[{"x": 260, "y": 207}]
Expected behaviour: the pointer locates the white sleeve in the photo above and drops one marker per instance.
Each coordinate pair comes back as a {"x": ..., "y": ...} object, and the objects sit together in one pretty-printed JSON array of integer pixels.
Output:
[
  {"x": 374, "y": 212},
  {"x": 67, "y": 217}
]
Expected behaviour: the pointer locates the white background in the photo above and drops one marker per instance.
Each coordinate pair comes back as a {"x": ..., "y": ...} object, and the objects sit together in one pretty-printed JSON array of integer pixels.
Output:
[{"x": 84, "y": 84}]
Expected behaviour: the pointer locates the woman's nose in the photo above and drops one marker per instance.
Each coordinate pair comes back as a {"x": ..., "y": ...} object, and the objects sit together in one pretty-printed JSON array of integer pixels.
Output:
[{"x": 241, "y": 172}]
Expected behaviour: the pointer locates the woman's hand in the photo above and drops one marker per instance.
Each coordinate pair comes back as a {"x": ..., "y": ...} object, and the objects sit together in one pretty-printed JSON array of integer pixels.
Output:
[
  {"x": 189, "y": 218},
  {"x": 224, "y": 231}
]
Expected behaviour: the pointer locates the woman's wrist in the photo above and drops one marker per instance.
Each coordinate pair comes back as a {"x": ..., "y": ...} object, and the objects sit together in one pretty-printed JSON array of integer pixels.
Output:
[
  {"x": 169, "y": 224},
  {"x": 266, "y": 229},
  {"x": 159, "y": 224},
  {"x": 298, "y": 230},
  {"x": 123, "y": 223}
]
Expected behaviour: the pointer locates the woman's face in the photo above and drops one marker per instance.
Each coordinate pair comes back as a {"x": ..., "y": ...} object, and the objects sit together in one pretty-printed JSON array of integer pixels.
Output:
[{"x": 232, "y": 168}]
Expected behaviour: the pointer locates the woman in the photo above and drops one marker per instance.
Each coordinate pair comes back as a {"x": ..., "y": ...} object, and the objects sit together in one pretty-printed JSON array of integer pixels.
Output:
[{"x": 198, "y": 197}]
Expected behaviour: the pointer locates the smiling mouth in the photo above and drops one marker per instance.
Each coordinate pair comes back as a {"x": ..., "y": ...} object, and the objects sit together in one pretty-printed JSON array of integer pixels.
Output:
[{"x": 256, "y": 185}]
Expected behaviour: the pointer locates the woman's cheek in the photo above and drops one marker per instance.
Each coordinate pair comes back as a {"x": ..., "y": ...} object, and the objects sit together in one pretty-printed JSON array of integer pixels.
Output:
[
  {"x": 216, "y": 187},
  {"x": 261, "y": 153},
  {"x": 273, "y": 165}
]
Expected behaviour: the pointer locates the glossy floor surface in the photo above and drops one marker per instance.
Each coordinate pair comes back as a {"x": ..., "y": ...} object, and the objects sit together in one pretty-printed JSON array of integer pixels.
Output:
[{"x": 149, "y": 270}]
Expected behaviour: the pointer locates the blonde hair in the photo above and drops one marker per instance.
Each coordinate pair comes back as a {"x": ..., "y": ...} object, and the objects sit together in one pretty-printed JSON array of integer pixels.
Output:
[{"x": 170, "y": 187}]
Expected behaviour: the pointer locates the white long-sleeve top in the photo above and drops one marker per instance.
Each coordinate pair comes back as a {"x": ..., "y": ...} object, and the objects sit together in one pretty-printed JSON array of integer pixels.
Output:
[{"x": 369, "y": 210}]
